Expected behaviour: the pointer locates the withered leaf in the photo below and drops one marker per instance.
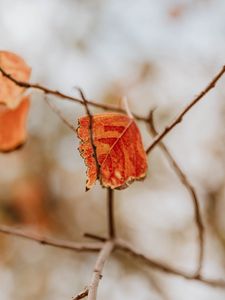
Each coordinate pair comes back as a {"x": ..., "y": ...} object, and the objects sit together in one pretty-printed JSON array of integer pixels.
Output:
[
  {"x": 13, "y": 105},
  {"x": 13, "y": 126},
  {"x": 119, "y": 149},
  {"x": 11, "y": 94}
]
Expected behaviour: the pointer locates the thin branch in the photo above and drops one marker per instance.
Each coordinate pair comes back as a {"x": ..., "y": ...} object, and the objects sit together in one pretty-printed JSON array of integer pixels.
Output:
[
  {"x": 61, "y": 95},
  {"x": 81, "y": 295},
  {"x": 110, "y": 206},
  {"x": 91, "y": 131},
  {"x": 94, "y": 237},
  {"x": 97, "y": 273},
  {"x": 106, "y": 249},
  {"x": 126, "y": 107},
  {"x": 125, "y": 247},
  {"x": 180, "y": 116},
  {"x": 80, "y": 247},
  {"x": 56, "y": 110},
  {"x": 184, "y": 180}
]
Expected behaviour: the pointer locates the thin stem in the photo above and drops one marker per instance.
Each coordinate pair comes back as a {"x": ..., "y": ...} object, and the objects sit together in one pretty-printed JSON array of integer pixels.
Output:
[
  {"x": 94, "y": 237},
  {"x": 180, "y": 116},
  {"x": 80, "y": 247},
  {"x": 185, "y": 181},
  {"x": 111, "y": 222},
  {"x": 57, "y": 111},
  {"x": 91, "y": 131}
]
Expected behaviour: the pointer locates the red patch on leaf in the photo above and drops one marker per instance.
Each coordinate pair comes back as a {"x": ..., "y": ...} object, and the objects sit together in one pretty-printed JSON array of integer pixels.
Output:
[
  {"x": 13, "y": 126},
  {"x": 120, "y": 153}
]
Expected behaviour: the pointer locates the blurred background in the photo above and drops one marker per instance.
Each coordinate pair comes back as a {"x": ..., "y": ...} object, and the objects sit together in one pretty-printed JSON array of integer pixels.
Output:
[{"x": 159, "y": 54}]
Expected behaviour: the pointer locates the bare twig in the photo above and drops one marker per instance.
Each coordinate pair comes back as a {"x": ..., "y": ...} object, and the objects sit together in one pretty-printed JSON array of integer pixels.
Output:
[
  {"x": 180, "y": 116},
  {"x": 91, "y": 131},
  {"x": 56, "y": 110},
  {"x": 94, "y": 237},
  {"x": 125, "y": 247},
  {"x": 183, "y": 178},
  {"x": 81, "y": 295},
  {"x": 110, "y": 204},
  {"x": 126, "y": 107},
  {"x": 80, "y": 247},
  {"x": 97, "y": 273},
  {"x": 61, "y": 95}
]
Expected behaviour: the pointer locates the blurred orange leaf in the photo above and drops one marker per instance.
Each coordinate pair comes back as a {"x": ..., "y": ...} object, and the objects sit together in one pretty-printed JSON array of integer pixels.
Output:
[
  {"x": 13, "y": 126},
  {"x": 13, "y": 105},
  {"x": 28, "y": 201},
  {"x": 11, "y": 94},
  {"x": 119, "y": 149}
]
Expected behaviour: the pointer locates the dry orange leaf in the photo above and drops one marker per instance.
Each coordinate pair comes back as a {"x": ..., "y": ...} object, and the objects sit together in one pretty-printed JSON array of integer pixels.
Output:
[
  {"x": 13, "y": 126},
  {"x": 13, "y": 105},
  {"x": 120, "y": 153},
  {"x": 11, "y": 94}
]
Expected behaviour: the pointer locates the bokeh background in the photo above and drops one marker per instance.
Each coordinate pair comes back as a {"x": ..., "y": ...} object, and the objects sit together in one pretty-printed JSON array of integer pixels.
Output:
[{"x": 159, "y": 54}]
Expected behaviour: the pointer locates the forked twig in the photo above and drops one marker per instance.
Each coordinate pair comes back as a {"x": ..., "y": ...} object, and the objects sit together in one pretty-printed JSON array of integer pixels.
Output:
[
  {"x": 106, "y": 249},
  {"x": 125, "y": 247},
  {"x": 61, "y": 95},
  {"x": 97, "y": 273},
  {"x": 184, "y": 180},
  {"x": 180, "y": 116},
  {"x": 96, "y": 247}
]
